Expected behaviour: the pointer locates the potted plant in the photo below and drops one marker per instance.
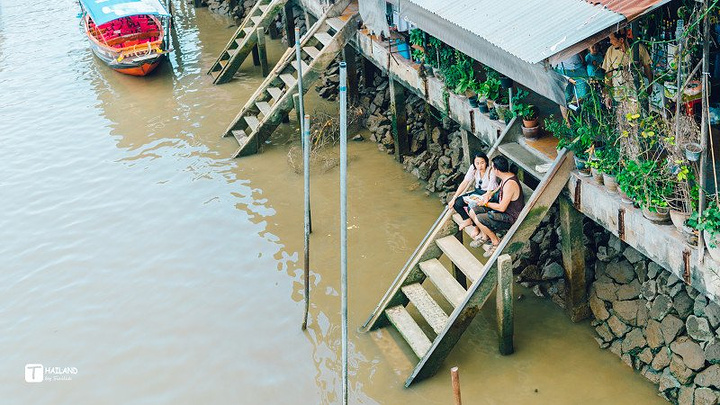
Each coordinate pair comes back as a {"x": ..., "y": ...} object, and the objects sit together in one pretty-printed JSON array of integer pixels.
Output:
[
  {"x": 709, "y": 223},
  {"x": 656, "y": 191},
  {"x": 575, "y": 138},
  {"x": 608, "y": 159},
  {"x": 506, "y": 82},
  {"x": 692, "y": 151},
  {"x": 502, "y": 105},
  {"x": 480, "y": 89},
  {"x": 527, "y": 112},
  {"x": 685, "y": 195},
  {"x": 594, "y": 164},
  {"x": 629, "y": 182}
]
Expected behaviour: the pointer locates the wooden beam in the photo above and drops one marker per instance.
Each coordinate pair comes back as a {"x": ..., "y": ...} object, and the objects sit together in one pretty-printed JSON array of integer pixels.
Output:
[
  {"x": 262, "y": 52},
  {"x": 505, "y": 310},
  {"x": 289, "y": 24},
  {"x": 399, "y": 119},
  {"x": 573, "y": 254}
]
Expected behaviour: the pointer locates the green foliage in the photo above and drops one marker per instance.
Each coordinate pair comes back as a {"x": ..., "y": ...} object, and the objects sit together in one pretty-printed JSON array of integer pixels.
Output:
[
  {"x": 629, "y": 180},
  {"x": 709, "y": 221},
  {"x": 645, "y": 182},
  {"x": 520, "y": 108}
]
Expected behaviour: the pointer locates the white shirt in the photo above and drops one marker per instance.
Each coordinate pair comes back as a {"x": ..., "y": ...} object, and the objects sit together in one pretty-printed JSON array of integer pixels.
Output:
[{"x": 484, "y": 183}]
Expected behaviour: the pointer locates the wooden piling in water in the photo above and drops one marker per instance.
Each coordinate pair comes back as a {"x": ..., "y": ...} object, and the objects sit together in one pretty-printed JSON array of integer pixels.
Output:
[
  {"x": 255, "y": 56},
  {"x": 455, "y": 378},
  {"x": 505, "y": 310},
  {"x": 262, "y": 52},
  {"x": 399, "y": 119},
  {"x": 289, "y": 22},
  {"x": 573, "y": 256}
]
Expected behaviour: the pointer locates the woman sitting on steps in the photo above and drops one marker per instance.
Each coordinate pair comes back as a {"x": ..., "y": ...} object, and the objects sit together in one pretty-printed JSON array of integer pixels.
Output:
[{"x": 483, "y": 179}]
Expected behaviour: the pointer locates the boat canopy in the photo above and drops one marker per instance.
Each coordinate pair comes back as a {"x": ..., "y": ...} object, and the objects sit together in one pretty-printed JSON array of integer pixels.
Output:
[{"x": 102, "y": 11}]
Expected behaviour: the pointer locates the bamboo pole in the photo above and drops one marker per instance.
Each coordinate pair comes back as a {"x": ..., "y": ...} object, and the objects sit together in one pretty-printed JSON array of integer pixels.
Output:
[
  {"x": 306, "y": 264},
  {"x": 455, "y": 377},
  {"x": 343, "y": 225}
]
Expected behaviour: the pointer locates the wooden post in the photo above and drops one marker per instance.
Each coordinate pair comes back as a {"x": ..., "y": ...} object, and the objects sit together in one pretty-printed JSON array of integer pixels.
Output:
[
  {"x": 289, "y": 23},
  {"x": 455, "y": 377},
  {"x": 296, "y": 106},
  {"x": 368, "y": 72},
  {"x": 255, "y": 55},
  {"x": 467, "y": 158},
  {"x": 573, "y": 252},
  {"x": 505, "y": 310},
  {"x": 399, "y": 119},
  {"x": 349, "y": 58},
  {"x": 262, "y": 53},
  {"x": 273, "y": 31}
]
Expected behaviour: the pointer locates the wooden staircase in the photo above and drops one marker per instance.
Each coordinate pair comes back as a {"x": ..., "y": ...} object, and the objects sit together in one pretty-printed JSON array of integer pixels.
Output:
[
  {"x": 445, "y": 329},
  {"x": 244, "y": 39},
  {"x": 264, "y": 110}
]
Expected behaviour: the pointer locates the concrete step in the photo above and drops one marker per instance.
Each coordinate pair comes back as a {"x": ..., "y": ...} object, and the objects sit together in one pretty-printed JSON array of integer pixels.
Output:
[
  {"x": 312, "y": 51},
  {"x": 458, "y": 254},
  {"x": 288, "y": 79},
  {"x": 409, "y": 329},
  {"x": 453, "y": 292},
  {"x": 527, "y": 160},
  {"x": 263, "y": 9},
  {"x": 240, "y": 137},
  {"x": 232, "y": 52},
  {"x": 257, "y": 20},
  {"x": 274, "y": 92},
  {"x": 264, "y": 107},
  {"x": 426, "y": 305},
  {"x": 252, "y": 122},
  {"x": 305, "y": 67},
  {"x": 458, "y": 220},
  {"x": 335, "y": 23},
  {"x": 324, "y": 38},
  {"x": 249, "y": 30}
]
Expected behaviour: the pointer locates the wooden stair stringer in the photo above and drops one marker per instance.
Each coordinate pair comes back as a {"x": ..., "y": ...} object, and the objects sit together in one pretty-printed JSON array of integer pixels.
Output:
[
  {"x": 535, "y": 209},
  {"x": 245, "y": 41},
  {"x": 411, "y": 272},
  {"x": 285, "y": 103}
]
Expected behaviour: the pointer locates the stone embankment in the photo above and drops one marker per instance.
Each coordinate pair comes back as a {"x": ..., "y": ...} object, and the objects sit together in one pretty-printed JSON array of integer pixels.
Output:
[
  {"x": 655, "y": 323},
  {"x": 240, "y": 10},
  {"x": 436, "y": 156}
]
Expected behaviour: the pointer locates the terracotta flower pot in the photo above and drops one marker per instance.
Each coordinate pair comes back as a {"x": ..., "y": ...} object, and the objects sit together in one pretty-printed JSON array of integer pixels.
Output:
[
  {"x": 610, "y": 182},
  {"x": 660, "y": 216},
  {"x": 530, "y": 123},
  {"x": 678, "y": 219},
  {"x": 597, "y": 176},
  {"x": 532, "y": 132}
]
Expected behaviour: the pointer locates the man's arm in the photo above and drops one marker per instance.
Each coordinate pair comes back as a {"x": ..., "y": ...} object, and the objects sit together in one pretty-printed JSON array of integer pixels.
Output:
[{"x": 511, "y": 191}]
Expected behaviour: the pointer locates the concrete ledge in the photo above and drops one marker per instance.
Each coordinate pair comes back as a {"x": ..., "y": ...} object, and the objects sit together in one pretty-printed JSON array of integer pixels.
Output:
[
  {"x": 431, "y": 89},
  {"x": 663, "y": 244}
]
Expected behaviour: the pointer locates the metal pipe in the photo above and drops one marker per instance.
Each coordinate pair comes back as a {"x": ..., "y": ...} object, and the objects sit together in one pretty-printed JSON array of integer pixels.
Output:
[
  {"x": 343, "y": 225},
  {"x": 305, "y": 144},
  {"x": 703, "y": 129},
  {"x": 306, "y": 170},
  {"x": 678, "y": 95}
]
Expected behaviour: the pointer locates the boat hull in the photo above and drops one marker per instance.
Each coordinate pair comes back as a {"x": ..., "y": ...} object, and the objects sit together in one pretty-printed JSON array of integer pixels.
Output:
[{"x": 135, "y": 61}]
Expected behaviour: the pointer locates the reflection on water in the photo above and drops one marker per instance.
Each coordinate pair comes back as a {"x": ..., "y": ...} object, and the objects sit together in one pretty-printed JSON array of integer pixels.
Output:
[{"x": 133, "y": 250}]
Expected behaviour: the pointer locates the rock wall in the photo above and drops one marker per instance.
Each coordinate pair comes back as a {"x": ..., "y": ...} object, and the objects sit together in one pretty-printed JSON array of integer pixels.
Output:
[
  {"x": 436, "y": 155},
  {"x": 657, "y": 325},
  {"x": 242, "y": 7}
]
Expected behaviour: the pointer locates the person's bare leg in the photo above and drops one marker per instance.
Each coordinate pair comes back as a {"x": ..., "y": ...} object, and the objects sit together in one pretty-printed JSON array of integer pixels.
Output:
[
  {"x": 485, "y": 230},
  {"x": 473, "y": 220},
  {"x": 465, "y": 223}
]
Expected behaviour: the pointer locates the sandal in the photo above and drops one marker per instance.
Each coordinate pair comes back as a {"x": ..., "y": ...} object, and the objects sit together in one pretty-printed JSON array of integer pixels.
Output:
[
  {"x": 477, "y": 242},
  {"x": 490, "y": 250}
]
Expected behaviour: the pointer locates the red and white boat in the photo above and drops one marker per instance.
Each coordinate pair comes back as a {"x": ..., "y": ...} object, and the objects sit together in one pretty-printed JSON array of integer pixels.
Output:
[{"x": 128, "y": 35}]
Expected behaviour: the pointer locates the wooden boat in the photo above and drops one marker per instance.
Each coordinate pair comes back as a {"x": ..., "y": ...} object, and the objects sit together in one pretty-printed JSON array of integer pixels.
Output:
[{"x": 130, "y": 38}]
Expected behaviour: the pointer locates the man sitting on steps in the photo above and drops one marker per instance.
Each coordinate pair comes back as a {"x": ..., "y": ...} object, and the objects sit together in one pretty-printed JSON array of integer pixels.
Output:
[{"x": 500, "y": 215}]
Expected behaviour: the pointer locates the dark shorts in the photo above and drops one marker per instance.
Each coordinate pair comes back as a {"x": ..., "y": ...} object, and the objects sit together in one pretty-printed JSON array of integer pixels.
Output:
[{"x": 495, "y": 220}]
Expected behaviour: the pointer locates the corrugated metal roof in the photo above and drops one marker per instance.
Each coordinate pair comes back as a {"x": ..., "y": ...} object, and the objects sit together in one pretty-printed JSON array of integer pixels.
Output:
[
  {"x": 629, "y": 8},
  {"x": 532, "y": 30}
]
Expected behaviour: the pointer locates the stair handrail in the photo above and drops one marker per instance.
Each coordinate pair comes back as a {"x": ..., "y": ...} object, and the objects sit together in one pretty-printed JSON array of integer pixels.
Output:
[
  {"x": 492, "y": 261},
  {"x": 438, "y": 222}
]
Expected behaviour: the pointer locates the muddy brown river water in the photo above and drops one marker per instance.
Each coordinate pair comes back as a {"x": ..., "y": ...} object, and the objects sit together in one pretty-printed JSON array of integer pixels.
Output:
[{"x": 136, "y": 254}]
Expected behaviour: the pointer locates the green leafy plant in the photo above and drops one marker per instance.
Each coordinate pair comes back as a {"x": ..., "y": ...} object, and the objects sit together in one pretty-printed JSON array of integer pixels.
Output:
[
  {"x": 629, "y": 179},
  {"x": 522, "y": 109},
  {"x": 709, "y": 222}
]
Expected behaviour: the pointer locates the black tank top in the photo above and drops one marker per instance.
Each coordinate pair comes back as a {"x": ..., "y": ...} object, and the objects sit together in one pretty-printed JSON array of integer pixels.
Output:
[{"x": 515, "y": 207}]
